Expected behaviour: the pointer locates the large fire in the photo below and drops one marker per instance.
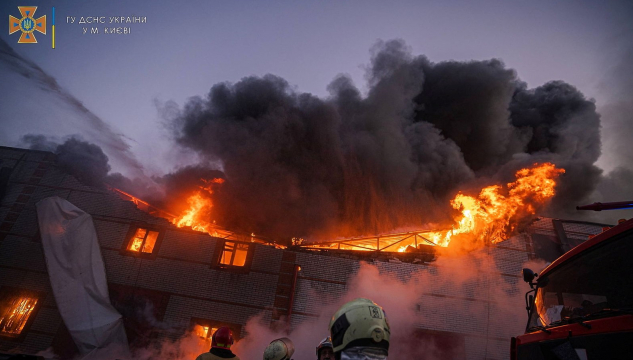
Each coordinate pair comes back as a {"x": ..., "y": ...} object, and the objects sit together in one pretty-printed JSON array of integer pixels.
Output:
[
  {"x": 197, "y": 216},
  {"x": 489, "y": 215}
]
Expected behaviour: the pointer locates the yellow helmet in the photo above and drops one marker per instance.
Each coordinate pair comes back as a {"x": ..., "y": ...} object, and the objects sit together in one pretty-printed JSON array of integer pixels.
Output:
[
  {"x": 360, "y": 322},
  {"x": 279, "y": 349}
]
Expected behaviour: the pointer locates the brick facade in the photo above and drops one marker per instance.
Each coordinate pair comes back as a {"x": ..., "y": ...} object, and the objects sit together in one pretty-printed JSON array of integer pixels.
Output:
[{"x": 181, "y": 282}]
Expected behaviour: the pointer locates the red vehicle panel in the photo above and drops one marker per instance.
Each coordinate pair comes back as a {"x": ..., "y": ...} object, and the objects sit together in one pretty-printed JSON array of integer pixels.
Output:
[{"x": 583, "y": 303}]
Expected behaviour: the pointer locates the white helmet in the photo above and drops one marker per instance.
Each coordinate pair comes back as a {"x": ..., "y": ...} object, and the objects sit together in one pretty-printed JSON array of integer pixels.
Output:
[
  {"x": 279, "y": 349},
  {"x": 360, "y": 322}
]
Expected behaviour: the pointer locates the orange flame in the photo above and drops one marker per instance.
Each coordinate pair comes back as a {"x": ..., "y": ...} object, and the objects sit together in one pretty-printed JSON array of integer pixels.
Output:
[
  {"x": 200, "y": 205},
  {"x": 489, "y": 216},
  {"x": 18, "y": 312}
]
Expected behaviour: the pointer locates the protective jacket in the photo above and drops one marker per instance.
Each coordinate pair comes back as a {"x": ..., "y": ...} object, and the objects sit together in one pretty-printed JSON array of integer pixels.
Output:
[{"x": 218, "y": 354}]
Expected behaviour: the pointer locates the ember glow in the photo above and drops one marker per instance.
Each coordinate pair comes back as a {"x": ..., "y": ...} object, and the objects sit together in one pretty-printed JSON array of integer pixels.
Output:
[
  {"x": 204, "y": 331},
  {"x": 143, "y": 241},
  {"x": 16, "y": 314},
  {"x": 197, "y": 216}
]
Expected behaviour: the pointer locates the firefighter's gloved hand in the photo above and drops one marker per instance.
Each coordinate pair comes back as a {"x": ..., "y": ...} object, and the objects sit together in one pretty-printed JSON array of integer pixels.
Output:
[{"x": 364, "y": 353}]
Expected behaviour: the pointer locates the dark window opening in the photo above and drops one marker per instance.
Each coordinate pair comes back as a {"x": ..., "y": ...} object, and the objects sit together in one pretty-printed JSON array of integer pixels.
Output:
[{"x": 5, "y": 174}]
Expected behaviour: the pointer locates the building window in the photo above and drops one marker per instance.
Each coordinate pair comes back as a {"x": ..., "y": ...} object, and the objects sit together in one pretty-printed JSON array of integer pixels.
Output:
[
  {"x": 234, "y": 253},
  {"x": 204, "y": 331},
  {"x": 205, "y": 328},
  {"x": 143, "y": 240},
  {"x": 16, "y": 309}
]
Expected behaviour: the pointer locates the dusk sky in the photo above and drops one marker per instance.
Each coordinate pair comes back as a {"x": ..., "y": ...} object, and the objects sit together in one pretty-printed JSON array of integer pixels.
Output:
[{"x": 188, "y": 46}]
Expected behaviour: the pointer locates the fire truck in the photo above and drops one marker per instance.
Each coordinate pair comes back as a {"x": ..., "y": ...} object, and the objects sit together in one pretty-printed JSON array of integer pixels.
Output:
[{"x": 581, "y": 305}]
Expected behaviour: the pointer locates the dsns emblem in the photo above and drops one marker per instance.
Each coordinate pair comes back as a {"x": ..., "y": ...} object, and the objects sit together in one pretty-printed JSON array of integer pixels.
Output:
[{"x": 27, "y": 24}]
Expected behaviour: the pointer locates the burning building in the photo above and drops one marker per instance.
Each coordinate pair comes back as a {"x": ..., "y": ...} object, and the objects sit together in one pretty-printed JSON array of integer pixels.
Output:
[{"x": 169, "y": 279}]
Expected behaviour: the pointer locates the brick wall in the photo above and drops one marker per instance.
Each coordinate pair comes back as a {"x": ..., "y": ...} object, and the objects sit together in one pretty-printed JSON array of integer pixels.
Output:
[{"x": 183, "y": 273}]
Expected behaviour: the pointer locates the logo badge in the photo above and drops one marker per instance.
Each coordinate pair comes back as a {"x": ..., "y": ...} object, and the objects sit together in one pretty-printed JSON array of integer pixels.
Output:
[
  {"x": 27, "y": 24},
  {"x": 375, "y": 312}
]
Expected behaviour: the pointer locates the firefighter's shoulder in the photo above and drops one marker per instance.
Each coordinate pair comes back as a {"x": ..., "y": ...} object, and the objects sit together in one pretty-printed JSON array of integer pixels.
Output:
[{"x": 209, "y": 356}]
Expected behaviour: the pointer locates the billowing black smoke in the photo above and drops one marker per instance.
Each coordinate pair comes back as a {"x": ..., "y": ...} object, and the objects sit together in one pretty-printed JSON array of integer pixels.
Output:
[
  {"x": 182, "y": 183},
  {"x": 562, "y": 124},
  {"x": 298, "y": 165},
  {"x": 353, "y": 164}
]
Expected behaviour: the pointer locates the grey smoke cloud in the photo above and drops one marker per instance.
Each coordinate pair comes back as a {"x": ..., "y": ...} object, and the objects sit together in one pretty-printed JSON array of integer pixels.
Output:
[
  {"x": 89, "y": 164},
  {"x": 617, "y": 118},
  {"x": 94, "y": 128},
  {"x": 84, "y": 160},
  {"x": 618, "y": 129},
  {"x": 39, "y": 142},
  {"x": 618, "y": 112}
]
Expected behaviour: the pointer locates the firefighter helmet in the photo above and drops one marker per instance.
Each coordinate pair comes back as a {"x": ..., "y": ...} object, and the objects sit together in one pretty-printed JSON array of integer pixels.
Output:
[
  {"x": 222, "y": 338},
  {"x": 279, "y": 349},
  {"x": 327, "y": 342},
  {"x": 360, "y": 322}
]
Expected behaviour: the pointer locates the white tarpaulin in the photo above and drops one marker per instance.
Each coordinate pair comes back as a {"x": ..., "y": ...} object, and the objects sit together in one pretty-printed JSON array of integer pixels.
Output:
[{"x": 78, "y": 279}]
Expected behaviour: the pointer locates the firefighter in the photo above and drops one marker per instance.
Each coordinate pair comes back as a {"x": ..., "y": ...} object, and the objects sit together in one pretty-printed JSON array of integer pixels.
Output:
[
  {"x": 359, "y": 331},
  {"x": 325, "y": 351},
  {"x": 279, "y": 349},
  {"x": 221, "y": 342}
]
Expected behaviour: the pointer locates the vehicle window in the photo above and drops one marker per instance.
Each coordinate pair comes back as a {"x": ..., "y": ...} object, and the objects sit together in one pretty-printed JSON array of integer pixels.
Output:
[{"x": 598, "y": 280}]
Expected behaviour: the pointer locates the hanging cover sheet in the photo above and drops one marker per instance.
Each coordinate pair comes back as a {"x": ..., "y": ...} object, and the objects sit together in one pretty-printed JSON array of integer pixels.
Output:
[{"x": 77, "y": 274}]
